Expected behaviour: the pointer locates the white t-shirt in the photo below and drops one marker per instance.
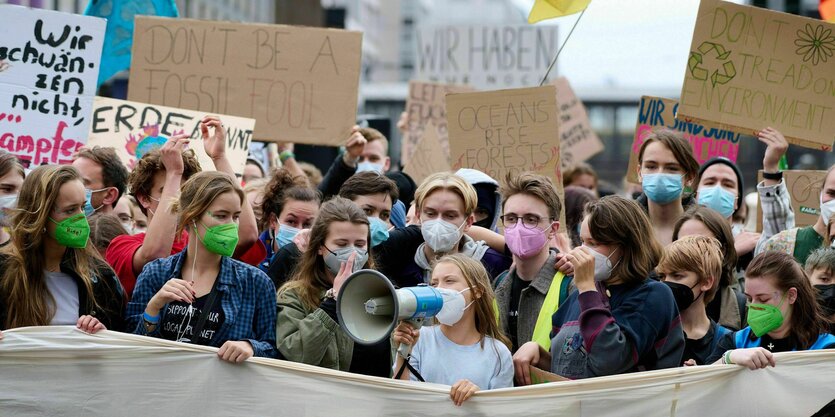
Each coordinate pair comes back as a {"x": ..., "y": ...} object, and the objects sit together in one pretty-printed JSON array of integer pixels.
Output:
[
  {"x": 65, "y": 292},
  {"x": 442, "y": 361}
]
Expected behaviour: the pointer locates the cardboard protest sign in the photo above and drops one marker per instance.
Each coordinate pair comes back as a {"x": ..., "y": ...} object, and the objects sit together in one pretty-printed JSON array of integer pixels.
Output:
[
  {"x": 137, "y": 128},
  {"x": 708, "y": 140},
  {"x": 578, "y": 142},
  {"x": 805, "y": 190},
  {"x": 300, "y": 83},
  {"x": 750, "y": 68},
  {"x": 485, "y": 57},
  {"x": 425, "y": 105},
  {"x": 506, "y": 132},
  {"x": 538, "y": 376},
  {"x": 49, "y": 63},
  {"x": 428, "y": 157}
]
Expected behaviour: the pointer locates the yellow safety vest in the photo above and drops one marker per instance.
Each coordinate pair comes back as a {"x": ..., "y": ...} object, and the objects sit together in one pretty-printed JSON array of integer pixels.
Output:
[{"x": 542, "y": 330}]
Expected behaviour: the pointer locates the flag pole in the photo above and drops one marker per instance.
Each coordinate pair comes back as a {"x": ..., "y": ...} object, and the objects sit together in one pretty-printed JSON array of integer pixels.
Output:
[{"x": 554, "y": 61}]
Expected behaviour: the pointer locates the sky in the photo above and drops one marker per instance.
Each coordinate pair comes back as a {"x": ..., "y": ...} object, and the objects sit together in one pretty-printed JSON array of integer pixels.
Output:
[{"x": 626, "y": 45}]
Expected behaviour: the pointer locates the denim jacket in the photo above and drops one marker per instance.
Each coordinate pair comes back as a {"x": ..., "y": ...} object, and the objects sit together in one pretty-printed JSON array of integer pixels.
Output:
[{"x": 247, "y": 297}]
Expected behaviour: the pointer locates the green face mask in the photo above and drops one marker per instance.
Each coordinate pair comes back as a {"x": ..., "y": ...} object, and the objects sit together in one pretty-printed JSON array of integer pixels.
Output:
[
  {"x": 220, "y": 239},
  {"x": 764, "y": 318},
  {"x": 72, "y": 232}
]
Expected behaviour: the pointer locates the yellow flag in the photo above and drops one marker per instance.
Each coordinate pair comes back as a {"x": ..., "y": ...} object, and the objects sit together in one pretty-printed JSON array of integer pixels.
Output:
[{"x": 549, "y": 9}]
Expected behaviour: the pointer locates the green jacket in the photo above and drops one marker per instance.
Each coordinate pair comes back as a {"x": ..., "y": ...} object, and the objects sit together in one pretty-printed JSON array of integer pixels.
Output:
[{"x": 309, "y": 335}]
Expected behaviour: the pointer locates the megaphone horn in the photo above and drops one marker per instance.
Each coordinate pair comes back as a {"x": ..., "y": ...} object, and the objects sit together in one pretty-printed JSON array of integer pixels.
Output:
[{"x": 369, "y": 307}]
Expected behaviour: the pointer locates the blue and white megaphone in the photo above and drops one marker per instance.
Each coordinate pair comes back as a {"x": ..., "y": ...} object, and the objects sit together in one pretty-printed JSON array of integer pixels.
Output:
[{"x": 369, "y": 307}]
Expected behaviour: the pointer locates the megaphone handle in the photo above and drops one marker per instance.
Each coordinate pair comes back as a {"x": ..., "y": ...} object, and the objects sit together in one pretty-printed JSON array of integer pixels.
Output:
[{"x": 405, "y": 349}]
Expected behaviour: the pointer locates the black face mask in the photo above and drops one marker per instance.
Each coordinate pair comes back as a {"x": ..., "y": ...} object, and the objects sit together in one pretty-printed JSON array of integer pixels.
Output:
[
  {"x": 485, "y": 223},
  {"x": 682, "y": 294},
  {"x": 826, "y": 298}
]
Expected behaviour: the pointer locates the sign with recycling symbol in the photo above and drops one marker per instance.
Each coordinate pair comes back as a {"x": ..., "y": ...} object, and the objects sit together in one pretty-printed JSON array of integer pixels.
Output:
[{"x": 721, "y": 75}]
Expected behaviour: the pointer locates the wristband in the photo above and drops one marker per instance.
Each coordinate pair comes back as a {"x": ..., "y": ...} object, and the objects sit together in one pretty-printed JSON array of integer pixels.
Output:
[
  {"x": 727, "y": 358},
  {"x": 285, "y": 155},
  {"x": 149, "y": 318},
  {"x": 775, "y": 176}
]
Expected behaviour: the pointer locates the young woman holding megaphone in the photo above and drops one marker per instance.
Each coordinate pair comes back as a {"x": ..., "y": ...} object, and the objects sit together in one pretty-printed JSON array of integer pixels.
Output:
[
  {"x": 467, "y": 350},
  {"x": 308, "y": 325}
]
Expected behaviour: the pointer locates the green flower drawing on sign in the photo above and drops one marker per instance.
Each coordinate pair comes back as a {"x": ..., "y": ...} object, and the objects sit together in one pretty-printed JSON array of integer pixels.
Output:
[
  {"x": 815, "y": 44},
  {"x": 721, "y": 75}
]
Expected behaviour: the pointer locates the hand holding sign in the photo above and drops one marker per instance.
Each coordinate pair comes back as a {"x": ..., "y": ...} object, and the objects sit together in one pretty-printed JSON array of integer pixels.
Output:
[{"x": 776, "y": 148}]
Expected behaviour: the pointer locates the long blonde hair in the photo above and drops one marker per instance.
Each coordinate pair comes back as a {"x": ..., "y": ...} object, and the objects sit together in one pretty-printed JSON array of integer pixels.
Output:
[
  {"x": 22, "y": 283},
  {"x": 310, "y": 277},
  {"x": 478, "y": 280}
]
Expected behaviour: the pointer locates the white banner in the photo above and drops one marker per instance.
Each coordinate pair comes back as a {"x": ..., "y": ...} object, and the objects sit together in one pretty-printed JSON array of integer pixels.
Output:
[{"x": 62, "y": 371}]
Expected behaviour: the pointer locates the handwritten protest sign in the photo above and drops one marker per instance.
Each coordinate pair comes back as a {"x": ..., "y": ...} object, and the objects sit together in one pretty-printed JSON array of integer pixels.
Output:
[
  {"x": 485, "y": 57},
  {"x": 750, "y": 68},
  {"x": 134, "y": 129},
  {"x": 805, "y": 190},
  {"x": 425, "y": 105},
  {"x": 578, "y": 142},
  {"x": 707, "y": 139},
  {"x": 538, "y": 376},
  {"x": 506, "y": 132},
  {"x": 428, "y": 156},
  {"x": 300, "y": 83},
  {"x": 49, "y": 63}
]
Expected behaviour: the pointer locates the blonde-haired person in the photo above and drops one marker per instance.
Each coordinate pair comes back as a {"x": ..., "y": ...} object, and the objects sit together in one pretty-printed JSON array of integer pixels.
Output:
[
  {"x": 49, "y": 272},
  {"x": 619, "y": 320},
  {"x": 308, "y": 326},
  {"x": 445, "y": 204},
  {"x": 692, "y": 268},
  {"x": 467, "y": 349},
  {"x": 201, "y": 295}
]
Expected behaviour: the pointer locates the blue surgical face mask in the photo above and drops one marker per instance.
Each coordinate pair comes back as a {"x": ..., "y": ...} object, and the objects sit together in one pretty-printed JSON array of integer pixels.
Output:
[
  {"x": 379, "y": 231},
  {"x": 718, "y": 199},
  {"x": 662, "y": 188},
  {"x": 286, "y": 234},
  {"x": 369, "y": 166},
  {"x": 88, "y": 201}
]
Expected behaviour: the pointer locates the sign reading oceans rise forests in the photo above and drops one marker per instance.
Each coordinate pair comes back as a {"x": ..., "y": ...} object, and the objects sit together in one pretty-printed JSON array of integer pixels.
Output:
[
  {"x": 135, "y": 129},
  {"x": 485, "y": 57},
  {"x": 578, "y": 142},
  {"x": 506, "y": 132},
  {"x": 300, "y": 83},
  {"x": 428, "y": 156},
  {"x": 708, "y": 140},
  {"x": 750, "y": 68},
  {"x": 425, "y": 105},
  {"x": 49, "y": 63}
]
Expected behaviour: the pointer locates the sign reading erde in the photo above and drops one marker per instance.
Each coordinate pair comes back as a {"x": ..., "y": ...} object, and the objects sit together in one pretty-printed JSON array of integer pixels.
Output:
[
  {"x": 299, "y": 83},
  {"x": 49, "y": 63}
]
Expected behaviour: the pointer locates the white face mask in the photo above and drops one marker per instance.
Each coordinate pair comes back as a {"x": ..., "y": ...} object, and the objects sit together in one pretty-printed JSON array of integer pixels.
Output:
[
  {"x": 827, "y": 209},
  {"x": 602, "y": 264},
  {"x": 454, "y": 307},
  {"x": 440, "y": 235},
  {"x": 7, "y": 203}
]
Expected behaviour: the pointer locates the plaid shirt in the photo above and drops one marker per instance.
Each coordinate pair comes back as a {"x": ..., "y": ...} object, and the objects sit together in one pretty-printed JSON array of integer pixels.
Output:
[
  {"x": 776, "y": 203},
  {"x": 247, "y": 297}
]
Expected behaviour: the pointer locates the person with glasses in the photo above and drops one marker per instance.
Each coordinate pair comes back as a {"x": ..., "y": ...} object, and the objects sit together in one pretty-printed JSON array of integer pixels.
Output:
[
  {"x": 531, "y": 219},
  {"x": 201, "y": 295}
]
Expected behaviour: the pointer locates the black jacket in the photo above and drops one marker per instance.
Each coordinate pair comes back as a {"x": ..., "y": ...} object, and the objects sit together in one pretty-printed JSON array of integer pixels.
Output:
[{"x": 107, "y": 292}]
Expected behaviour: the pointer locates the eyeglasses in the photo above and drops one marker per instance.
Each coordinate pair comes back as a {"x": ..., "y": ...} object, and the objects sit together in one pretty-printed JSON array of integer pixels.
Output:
[{"x": 530, "y": 221}]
